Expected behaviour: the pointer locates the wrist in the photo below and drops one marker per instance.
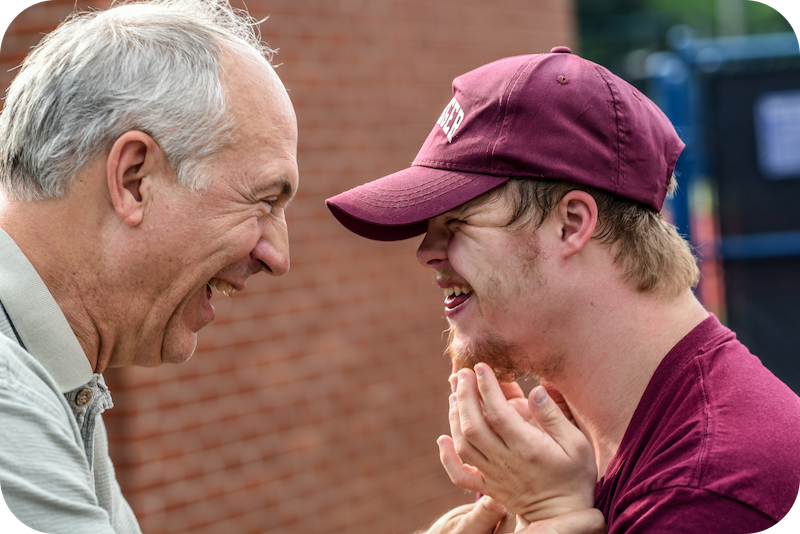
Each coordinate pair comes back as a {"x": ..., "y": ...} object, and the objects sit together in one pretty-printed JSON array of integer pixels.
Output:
[{"x": 549, "y": 508}]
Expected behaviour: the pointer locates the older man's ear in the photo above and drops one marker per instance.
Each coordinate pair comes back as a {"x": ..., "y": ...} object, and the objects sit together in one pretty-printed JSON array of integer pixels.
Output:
[{"x": 133, "y": 163}]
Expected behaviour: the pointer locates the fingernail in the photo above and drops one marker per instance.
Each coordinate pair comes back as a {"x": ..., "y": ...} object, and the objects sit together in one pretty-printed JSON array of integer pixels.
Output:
[
  {"x": 479, "y": 370},
  {"x": 540, "y": 395},
  {"x": 453, "y": 398}
]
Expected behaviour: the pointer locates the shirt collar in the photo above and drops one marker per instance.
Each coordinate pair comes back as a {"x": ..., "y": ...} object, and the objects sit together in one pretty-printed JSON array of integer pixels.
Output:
[{"x": 38, "y": 320}]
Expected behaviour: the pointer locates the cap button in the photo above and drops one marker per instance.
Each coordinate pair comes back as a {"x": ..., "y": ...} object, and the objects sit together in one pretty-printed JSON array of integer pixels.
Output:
[{"x": 561, "y": 50}]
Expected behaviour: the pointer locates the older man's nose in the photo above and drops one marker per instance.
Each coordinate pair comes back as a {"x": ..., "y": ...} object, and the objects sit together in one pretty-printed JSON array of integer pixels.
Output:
[{"x": 272, "y": 252}]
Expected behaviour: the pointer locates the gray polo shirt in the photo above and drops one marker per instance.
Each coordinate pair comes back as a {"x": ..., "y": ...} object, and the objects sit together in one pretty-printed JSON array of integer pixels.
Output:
[{"x": 55, "y": 472}]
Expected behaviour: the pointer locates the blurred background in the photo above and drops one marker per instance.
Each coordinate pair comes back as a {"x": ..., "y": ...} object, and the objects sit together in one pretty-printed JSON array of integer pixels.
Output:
[{"x": 314, "y": 400}]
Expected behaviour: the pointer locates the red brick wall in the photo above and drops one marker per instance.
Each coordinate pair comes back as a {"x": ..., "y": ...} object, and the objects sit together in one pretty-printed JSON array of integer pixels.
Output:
[{"x": 314, "y": 400}]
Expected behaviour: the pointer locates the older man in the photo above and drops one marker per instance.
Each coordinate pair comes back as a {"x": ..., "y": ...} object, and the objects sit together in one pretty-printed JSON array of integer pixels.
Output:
[
  {"x": 148, "y": 153},
  {"x": 539, "y": 191}
]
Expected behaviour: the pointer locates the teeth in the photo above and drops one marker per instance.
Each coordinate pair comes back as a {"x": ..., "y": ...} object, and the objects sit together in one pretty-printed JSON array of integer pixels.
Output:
[
  {"x": 222, "y": 286},
  {"x": 455, "y": 291}
]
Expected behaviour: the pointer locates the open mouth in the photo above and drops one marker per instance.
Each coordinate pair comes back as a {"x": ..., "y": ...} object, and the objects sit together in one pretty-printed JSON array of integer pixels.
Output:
[
  {"x": 455, "y": 296},
  {"x": 220, "y": 285}
]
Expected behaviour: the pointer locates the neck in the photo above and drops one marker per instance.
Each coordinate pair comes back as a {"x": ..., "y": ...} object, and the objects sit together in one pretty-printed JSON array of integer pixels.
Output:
[
  {"x": 46, "y": 233},
  {"x": 612, "y": 362}
]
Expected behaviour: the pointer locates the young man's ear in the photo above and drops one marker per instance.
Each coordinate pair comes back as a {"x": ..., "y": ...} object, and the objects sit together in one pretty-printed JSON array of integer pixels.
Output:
[
  {"x": 577, "y": 212},
  {"x": 131, "y": 164}
]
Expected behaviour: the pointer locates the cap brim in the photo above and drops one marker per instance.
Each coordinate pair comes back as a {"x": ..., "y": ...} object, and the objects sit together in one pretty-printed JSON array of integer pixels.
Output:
[{"x": 398, "y": 206}]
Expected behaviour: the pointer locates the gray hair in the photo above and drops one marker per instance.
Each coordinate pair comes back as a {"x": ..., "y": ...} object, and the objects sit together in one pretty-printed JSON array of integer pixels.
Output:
[{"x": 151, "y": 66}]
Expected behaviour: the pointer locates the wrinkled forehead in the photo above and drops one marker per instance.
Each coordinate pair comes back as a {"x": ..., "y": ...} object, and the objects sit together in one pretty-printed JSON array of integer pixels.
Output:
[{"x": 496, "y": 198}]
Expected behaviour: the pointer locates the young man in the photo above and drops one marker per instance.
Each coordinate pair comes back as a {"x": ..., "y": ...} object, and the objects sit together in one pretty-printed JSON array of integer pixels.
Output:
[
  {"x": 539, "y": 192},
  {"x": 122, "y": 202}
]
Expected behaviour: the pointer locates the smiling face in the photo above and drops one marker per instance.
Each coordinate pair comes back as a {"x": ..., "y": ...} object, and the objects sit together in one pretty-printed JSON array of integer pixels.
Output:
[
  {"x": 235, "y": 227},
  {"x": 494, "y": 283}
]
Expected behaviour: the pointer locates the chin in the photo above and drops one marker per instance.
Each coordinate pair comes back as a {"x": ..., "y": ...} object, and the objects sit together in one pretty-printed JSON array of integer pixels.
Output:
[
  {"x": 178, "y": 350},
  {"x": 491, "y": 350}
]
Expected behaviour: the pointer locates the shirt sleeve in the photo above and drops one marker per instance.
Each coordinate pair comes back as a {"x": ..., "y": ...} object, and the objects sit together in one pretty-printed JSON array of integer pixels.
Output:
[
  {"x": 688, "y": 511},
  {"x": 44, "y": 475}
]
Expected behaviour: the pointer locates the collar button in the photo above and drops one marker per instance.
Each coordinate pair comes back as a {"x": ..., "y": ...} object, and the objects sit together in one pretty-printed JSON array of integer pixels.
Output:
[{"x": 84, "y": 396}]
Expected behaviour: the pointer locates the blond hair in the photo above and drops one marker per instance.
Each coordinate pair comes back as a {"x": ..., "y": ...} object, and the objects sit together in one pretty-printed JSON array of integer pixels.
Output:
[{"x": 652, "y": 253}]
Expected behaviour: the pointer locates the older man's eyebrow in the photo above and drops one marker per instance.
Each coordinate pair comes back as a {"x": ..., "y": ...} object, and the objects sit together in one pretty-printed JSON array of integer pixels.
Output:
[
  {"x": 287, "y": 189},
  {"x": 283, "y": 183},
  {"x": 288, "y": 192}
]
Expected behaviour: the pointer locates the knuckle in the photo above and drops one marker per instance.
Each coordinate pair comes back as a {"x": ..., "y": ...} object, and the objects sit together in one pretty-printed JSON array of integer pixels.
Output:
[
  {"x": 470, "y": 430},
  {"x": 528, "y": 455},
  {"x": 552, "y": 413},
  {"x": 462, "y": 447},
  {"x": 457, "y": 478},
  {"x": 496, "y": 419}
]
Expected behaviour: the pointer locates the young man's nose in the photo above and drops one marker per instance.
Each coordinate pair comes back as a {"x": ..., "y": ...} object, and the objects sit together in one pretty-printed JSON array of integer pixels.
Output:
[{"x": 433, "y": 249}]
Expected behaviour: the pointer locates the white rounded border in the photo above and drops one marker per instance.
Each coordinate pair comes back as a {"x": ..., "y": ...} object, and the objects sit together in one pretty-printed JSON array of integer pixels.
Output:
[
  {"x": 9, "y": 9},
  {"x": 10, "y": 524},
  {"x": 790, "y": 524},
  {"x": 790, "y": 9}
]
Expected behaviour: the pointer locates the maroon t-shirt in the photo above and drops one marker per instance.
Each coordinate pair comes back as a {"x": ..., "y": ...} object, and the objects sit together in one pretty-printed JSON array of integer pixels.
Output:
[{"x": 714, "y": 445}]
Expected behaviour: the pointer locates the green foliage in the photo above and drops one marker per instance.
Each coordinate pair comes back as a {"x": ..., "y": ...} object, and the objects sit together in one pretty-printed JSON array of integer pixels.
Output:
[
  {"x": 764, "y": 19},
  {"x": 610, "y": 30}
]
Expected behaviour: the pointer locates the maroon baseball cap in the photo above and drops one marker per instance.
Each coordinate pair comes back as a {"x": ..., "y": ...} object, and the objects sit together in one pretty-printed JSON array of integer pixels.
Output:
[{"x": 554, "y": 116}]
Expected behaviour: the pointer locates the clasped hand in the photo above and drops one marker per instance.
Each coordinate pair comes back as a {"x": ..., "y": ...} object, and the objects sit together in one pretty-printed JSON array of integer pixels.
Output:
[
  {"x": 482, "y": 517},
  {"x": 524, "y": 453}
]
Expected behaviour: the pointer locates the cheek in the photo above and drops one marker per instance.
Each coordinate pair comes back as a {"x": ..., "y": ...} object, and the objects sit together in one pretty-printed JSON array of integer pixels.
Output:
[
  {"x": 240, "y": 240},
  {"x": 510, "y": 289}
]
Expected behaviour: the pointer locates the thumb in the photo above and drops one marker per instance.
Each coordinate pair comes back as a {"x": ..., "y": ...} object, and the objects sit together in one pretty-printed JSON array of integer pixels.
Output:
[
  {"x": 549, "y": 415},
  {"x": 485, "y": 516}
]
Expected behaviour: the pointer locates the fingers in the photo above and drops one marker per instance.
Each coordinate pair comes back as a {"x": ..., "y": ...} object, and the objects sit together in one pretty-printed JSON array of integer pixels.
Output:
[
  {"x": 586, "y": 521},
  {"x": 549, "y": 415},
  {"x": 469, "y": 427},
  {"x": 504, "y": 419},
  {"x": 462, "y": 475},
  {"x": 512, "y": 390},
  {"x": 485, "y": 516},
  {"x": 449, "y": 522},
  {"x": 559, "y": 399},
  {"x": 480, "y": 517}
]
